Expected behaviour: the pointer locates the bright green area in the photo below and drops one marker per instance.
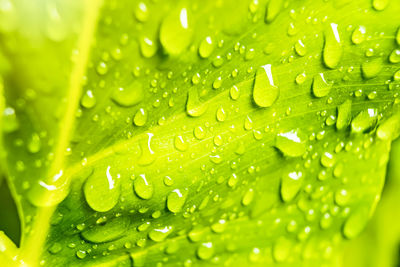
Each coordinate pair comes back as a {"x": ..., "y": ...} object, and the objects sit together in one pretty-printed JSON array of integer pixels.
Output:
[{"x": 200, "y": 133}]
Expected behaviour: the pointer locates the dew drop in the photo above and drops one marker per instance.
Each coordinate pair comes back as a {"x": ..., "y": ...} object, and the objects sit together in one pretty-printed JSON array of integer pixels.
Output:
[
  {"x": 273, "y": 9},
  {"x": 333, "y": 47},
  {"x": 328, "y": 160},
  {"x": 320, "y": 87},
  {"x": 265, "y": 92},
  {"x": 389, "y": 129},
  {"x": 206, "y": 47},
  {"x": 141, "y": 12},
  {"x": 248, "y": 197},
  {"x": 111, "y": 230},
  {"x": 180, "y": 143},
  {"x": 300, "y": 48},
  {"x": 281, "y": 249},
  {"x": 371, "y": 68},
  {"x": 10, "y": 121},
  {"x": 147, "y": 156},
  {"x": 140, "y": 117},
  {"x": 127, "y": 97},
  {"x": 344, "y": 115},
  {"x": 290, "y": 144},
  {"x": 395, "y": 56},
  {"x": 143, "y": 187},
  {"x": 221, "y": 115},
  {"x": 342, "y": 197},
  {"x": 358, "y": 35},
  {"x": 102, "y": 190},
  {"x": 88, "y": 100},
  {"x": 148, "y": 47},
  {"x": 219, "y": 226},
  {"x": 34, "y": 144},
  {"x": 102, "y": 68},
  {"x": 194, "y": 107},
  {"x": 199, "y": 132},
  {"x": 176, "y": 199},
  {"x": 379, "y": 5},
  {"x": 290, "y": 185},
  {"x": 160, "y": 234},
  {"x": 365, "y": 120},
  {"x": 176, "y": 32},
  {"x": 205, "y": 251},
  {"x": 234, "y": 92},
  {"x": 355, "y": 223}
]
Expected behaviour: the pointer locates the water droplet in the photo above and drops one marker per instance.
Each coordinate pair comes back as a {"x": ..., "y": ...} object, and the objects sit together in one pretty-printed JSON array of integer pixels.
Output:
[
  {"x": 102, "y": 68},
  {"x": 88, "y": 100},
  {"x": 148, "y": 156},
  {"x": 380, "y": 5},
  {"x": 365, "y": 120},
  {"x": 143, "y": 187},
  {"x": 290, "y": 144},
  {"x": 395, "y": 56},
  {"x": 176, "y": 32},
  {"x": 248, "y": 197},
  {"x": 344, "y": 115},
  {"x": 358, "y": 35},
  {"x": 328, "y": 160},
  {"x": 333, "y": 47},
  {"x": 234, "y": 92},
  {"x": 180, "y": 143},
  {"x": 265, "y": 92},
  {"x": 10, "y": 121},
  {"x": 49, "y": 192},
  {"x": 55, "y": 248},
  {"x": 221, "y": 115},
  {"x": 168, "y": 181},
  {"x": 34, "y": 144},
  {"x": 81, "y": 254},
  {"x": 199, "y": 132},
  {"x": 217, "y": 83},
  {"x": 320, "y": 87},
  {"x": 160, "y": 234},
  {"x": 389, "y": 129},
  {"x": 248, "y": 123},
  {"x": 106, "y": 232},
  {"x": 300, "y": 48},
  {"x": 140, "y": 117},
  {"x": 139, "y": 257},
  {"x": 206, "y": 47},
  {"x": 281, "y": 249},
  {"x": 205, "y": 251},
  {"x": 233, "y": 180},
  {"x": 301, "y": 78},
  {"x": 141, "y": 12},
  {"x": 148, "y": 47},
  {"x": 194, "y": 107},
  {"x": 326, "y": 221},
  {"x": 176, "y": 199},
  {"x": 56, "y": 26},
  {"x": 273, "y": 9},
  {"x": 371, "y": 68},
  {"x": 127, "y": 97},
  {"x": 355, "y": 223},
  {"x": 342, "y": 197},
  {"x": 102, "y": 190},
  {"x": 8, "y": 16},
  {"x": 290, "y": 185},
  {"x": 219, "y": 226}
]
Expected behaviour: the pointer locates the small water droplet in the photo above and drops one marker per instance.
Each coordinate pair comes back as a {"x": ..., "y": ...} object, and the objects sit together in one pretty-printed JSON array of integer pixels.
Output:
[
  {"x": 395, "y": 56},
  {"x": 148, "y": 47},
  {"x": 219, "y": 226},
  {"x": 88, "y": 100},
  {"x": 281, "y": 249},
  {"x": 358, "y": 35},
  {"x": 141, "y": 12},
  {"x": 194, "y": 107},
  {"x": 205, "y": 251},
  {"x": 379, "y": 5},
  {"x": 265, "y": 92},
  {"x": 248, "y": 197},
  {"x": 147, "y": 156},
  {"x": 273, "y": 9},
  {"x": 127, "y": 97},
  {"x": 234, "y": 92},
  {"x": 389, "y": 129},
  {"x": 356, "y": 222},
  {"x": 300, "y": 48},
  {"x": 140, "y": 117},
  {"x": 199, "y": 132},
  {"x": 108, "y": 231},
  {"x": 371, "y": 68},
  {"x": 10, "y": 121},
  {"x": 328, "y": 160},
  {"x": 180, "y": 143},
  {"x": 160, "y": 234},
  {"x": 34, "y": 144}
]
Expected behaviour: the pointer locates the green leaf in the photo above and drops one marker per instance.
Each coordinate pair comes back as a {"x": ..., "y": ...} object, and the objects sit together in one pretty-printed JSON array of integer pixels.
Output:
[{"x": 196, "y": 132}]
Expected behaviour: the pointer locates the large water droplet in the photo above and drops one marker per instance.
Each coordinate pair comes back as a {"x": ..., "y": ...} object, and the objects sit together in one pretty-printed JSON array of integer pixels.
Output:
[
  {"x": 143, "y": 187},
  {"x": 358, "y": 35},
  {"x": 206, "y": 47},
  {"x": 290, "y": 185},
  {"x": 160, "y": 234},
  {"x": 102, "y": 190},
  {"x": 380, "y": 5},
  {"x": 111, "y": 230},
  {"x": 265, "y": 92},
  {"x": 344, "y": 115},
  {"x": 148, "y": 156},
  {"x": 176, "y": 199},
  {"x": 355, "y": 223},
  {"x": 320, "y": 87},
  {"x": 176, "y": 32},
  {"x": 273, "y": 9},
  {"x": 205, "y": 251},
  {"x": 371, "y": 68},
  {"x": 128, "y": 97},
  {"x": 194, "y": 107},
  {"x": 365, "y": 120},
  {"x": 333, "y": 47},
  {"x": 389, "y": 129},
  {"x": 290, "y": 144}
]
